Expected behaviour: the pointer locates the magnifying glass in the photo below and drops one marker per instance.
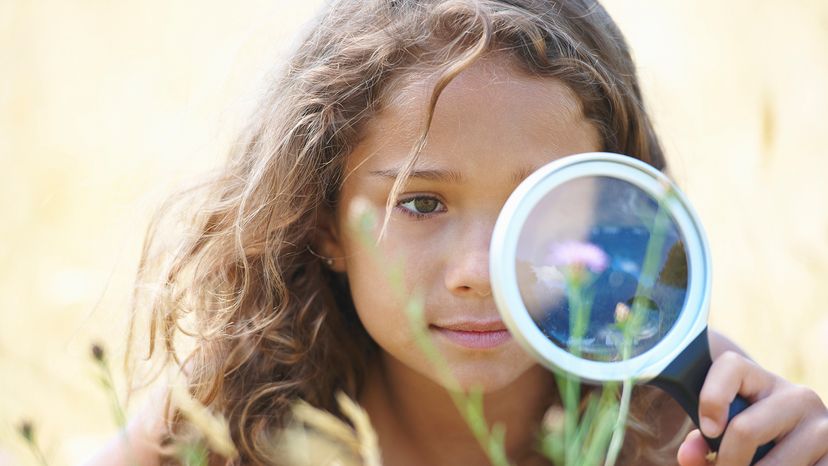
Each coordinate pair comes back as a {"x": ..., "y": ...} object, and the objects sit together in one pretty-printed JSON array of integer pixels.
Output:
[{"x": 601, "y": 269}]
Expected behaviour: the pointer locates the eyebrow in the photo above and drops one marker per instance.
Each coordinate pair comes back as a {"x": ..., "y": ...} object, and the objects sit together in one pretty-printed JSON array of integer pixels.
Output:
[
  {"x": 521, "y": 173},
  {"x": 446, "y": 176}
]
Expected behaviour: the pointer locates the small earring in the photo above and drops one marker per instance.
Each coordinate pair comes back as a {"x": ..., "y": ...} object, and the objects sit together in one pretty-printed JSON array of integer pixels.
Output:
[{"x": 327, "y": 260}]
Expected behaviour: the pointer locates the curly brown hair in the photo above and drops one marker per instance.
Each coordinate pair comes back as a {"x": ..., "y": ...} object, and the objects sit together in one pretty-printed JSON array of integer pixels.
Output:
[{"x": 266, "y": 322}]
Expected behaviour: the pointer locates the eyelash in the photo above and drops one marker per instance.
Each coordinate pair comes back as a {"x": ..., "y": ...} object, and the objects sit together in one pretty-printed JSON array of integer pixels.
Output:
[{"x": 420, "y": 215}]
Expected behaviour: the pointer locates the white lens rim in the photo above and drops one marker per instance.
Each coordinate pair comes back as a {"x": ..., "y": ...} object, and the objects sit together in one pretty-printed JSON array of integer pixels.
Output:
[{"x": 503, "y": 254}]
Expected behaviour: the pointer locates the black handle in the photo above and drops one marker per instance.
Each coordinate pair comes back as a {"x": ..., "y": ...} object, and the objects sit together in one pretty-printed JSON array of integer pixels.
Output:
[{"x": 683, "y": 380}]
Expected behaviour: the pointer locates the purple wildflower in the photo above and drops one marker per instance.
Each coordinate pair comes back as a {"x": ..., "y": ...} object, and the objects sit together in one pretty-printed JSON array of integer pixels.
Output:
[{"x": 578, "y": 254}]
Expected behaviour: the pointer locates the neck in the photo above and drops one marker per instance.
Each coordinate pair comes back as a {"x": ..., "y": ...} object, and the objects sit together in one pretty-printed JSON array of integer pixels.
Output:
[{"x": 416, "y": 417}]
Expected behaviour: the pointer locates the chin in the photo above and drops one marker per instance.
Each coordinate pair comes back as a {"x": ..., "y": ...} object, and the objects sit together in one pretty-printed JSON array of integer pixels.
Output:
[
  {"x": 489, "y": 378},
  {"x": 488, "y": 371}
]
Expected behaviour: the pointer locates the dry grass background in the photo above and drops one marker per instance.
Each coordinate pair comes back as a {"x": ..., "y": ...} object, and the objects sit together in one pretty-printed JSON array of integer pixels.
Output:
[{"x": 105, "y": 107}]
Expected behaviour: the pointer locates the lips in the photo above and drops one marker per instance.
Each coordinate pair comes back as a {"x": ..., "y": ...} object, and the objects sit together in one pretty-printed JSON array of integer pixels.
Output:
[
  {"x": 474, "y": 326},
  {"x": 474, "y": 334}
]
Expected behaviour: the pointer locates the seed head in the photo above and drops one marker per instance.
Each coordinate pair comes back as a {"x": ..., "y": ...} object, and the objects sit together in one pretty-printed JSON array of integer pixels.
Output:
[
  {"x": 622, "y": 313},
  {"x": 553, "y": 420},
  {"x": 26, "y": 430},
  {"x": 97, "y": 352}
]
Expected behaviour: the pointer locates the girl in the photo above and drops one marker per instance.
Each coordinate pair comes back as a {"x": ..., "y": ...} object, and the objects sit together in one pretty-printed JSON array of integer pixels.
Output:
[{"x": 429, "y": 112}]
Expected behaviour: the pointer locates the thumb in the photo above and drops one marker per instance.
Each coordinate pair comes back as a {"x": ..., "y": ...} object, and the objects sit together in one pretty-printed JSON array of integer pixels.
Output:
[{"x": 693, "y": 451}]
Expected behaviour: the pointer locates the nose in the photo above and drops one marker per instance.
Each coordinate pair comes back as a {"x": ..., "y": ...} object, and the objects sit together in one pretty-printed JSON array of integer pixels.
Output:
[{"x": 467, "y": 269}]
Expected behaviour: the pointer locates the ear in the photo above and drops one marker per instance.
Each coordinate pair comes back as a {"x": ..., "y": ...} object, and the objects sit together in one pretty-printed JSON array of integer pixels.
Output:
[{"x": 327, "y": 242}]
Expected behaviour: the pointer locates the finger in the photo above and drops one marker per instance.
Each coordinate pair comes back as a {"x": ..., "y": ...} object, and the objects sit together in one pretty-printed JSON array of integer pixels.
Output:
[
  {"x": 767, "y": 419},
  {"x": 730, "y": 374},
  {"x": 806, "y": 444},
  {"x": 693, "y": 451}
]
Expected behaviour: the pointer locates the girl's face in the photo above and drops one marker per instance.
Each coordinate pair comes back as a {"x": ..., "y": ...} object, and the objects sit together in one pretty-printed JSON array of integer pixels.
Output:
[{"x": 492, "y": 126}]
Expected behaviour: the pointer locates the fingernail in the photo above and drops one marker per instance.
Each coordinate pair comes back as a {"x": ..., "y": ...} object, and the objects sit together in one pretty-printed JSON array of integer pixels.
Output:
[{"x": 709, "y": 427}]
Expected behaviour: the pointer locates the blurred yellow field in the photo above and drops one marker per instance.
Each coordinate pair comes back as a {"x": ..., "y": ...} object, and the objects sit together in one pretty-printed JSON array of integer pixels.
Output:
[{"x": 108, "y": 107}]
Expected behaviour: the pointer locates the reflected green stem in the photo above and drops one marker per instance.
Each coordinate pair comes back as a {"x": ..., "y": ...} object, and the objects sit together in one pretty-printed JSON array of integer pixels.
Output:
[{"x": 638, "y": 316}]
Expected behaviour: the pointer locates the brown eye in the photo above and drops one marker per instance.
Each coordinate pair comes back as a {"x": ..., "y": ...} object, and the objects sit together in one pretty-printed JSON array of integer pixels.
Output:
[
  {"x": 425, "y": 205},
  {"x": 421, "y": 206}
]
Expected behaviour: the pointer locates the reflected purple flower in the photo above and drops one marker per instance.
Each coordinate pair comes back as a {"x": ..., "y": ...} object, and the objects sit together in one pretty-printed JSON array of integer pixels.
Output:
[{"x": 578, "y": 254}]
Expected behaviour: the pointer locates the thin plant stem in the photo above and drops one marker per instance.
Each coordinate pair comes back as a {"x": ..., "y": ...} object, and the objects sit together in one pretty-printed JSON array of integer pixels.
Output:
[
  {"x": 117, "y": 407},
  {"x": 27, "y": 431},
  {"x": 108, "y": 383},
  {"x": 193, "y": 454},
  {"x": 645, "y": 284},
  {"x": 602, "y": 428},
  {"x": 619, "y": 429},
  {"x": 38, "y": 453},
  {"x": 469, "y": 405},
  {"x": 648, "y": 272},
  {"x": 570, "y": 387}
]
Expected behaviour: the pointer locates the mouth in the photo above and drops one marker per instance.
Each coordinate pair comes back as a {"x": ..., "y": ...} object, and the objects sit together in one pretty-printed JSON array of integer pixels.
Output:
[{"x": 474, "y": 335}]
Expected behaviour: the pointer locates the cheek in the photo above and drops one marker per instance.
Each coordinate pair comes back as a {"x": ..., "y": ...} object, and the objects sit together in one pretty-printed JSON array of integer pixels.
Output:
[
  {"x": 383, "y": 316},
  {"x": 380, "y": 309}
]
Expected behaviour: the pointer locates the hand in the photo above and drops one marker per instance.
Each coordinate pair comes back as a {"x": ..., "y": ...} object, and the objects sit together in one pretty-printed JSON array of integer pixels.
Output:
[{"x": 791, "y": 415}]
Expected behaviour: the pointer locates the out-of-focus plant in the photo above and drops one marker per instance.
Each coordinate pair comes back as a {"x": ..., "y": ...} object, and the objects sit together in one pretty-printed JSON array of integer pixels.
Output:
[
  {"x": 213, "y": 428},
  {"x": 317, "y": 437},
  {"x": 26, "y": 429},
  {"x": 583, "y": 434},
  {"x": 106, "y": 380}
]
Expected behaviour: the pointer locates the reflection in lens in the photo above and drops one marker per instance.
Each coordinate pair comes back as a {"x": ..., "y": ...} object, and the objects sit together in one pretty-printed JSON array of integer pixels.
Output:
[{"x": 583, "y": 274}]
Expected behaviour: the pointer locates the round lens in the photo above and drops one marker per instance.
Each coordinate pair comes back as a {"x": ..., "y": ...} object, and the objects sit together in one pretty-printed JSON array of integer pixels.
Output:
[{"x": 602, "y": 268}]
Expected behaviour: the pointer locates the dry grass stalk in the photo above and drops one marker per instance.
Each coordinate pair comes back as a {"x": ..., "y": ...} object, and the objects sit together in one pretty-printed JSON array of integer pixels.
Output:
[
  {"x": 214, "y": 428},
  {"x": 318, "y": 437}
]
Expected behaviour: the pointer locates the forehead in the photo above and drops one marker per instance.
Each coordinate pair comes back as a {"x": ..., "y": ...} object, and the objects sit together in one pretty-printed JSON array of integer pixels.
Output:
[
  {"x": 495, "y": 75},
  {"x": 492, "y": 105}
]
